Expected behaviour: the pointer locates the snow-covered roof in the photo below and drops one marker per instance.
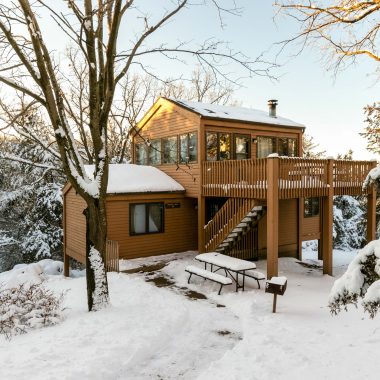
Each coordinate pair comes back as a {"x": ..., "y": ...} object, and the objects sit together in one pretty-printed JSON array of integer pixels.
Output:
[
  {"x": 129, "y": 178},
  {"x": 215, "y": 111}
]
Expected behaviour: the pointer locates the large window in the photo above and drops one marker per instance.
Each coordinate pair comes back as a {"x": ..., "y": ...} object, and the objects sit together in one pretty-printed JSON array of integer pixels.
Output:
[
  {"x": 265, "y": 146},
  {"x": 146, "y": 218},
  {"x": 188, "y": 148},
  {"x": 220, "y": 146},
  {"x": 284, "y": 146},
  {"x": 141, "y": 154},
  {"x": 242, "y": 146},
  {"x": 169, "y": 150},
  {"x": 155, "y": 152},
  {"x": 311, "y": 207}
]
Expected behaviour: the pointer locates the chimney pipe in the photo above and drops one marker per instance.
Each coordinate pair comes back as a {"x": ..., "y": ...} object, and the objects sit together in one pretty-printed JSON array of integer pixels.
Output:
[{"x": 272, "y": 103}]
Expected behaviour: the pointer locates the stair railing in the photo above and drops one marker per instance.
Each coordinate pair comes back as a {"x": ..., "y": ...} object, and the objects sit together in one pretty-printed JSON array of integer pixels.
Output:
[{"x": 225, "y": 220}]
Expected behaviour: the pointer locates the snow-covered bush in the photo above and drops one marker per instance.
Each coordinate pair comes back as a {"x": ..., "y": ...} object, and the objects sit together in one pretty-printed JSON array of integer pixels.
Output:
[
  {"x": 361, "y": 280},
  {"x": 27, "y": 306},
  {"x": 349, "y": 225}
]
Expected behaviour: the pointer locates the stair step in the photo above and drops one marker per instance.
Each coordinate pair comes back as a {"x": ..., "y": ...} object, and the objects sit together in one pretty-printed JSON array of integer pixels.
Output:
[
  {"x": 252, "y": 214},
  {"x": 232, "y": 234},
  {"x": 237, "y": 229},
  {"x": 242, "y": 225}
]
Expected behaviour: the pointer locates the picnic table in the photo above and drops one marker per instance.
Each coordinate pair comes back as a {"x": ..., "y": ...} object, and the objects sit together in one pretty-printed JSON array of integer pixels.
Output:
[{"x": 234, "y": 267}]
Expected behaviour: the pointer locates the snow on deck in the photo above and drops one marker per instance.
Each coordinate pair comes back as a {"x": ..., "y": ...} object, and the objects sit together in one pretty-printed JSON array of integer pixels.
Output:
[
  {"x": 130, "y": 178},
  {"x": 236, "y": 113}
]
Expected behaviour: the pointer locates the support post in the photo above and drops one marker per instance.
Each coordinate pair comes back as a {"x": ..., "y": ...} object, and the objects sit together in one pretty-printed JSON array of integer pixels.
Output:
[
  {"x": 201, "y": 223},
  {"x": 299, "y": 228},
  {"x": 272, "y": 216},
  {"x": 327, "y": 221},
  {"x": 66, "y": 265},
  {"x": 371, "y": 214}
]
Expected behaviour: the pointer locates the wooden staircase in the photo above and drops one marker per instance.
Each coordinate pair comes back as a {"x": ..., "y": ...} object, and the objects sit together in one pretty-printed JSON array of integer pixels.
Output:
[
  {"x": 236, "y": 218},
  {"x": 250, "y": 221}
]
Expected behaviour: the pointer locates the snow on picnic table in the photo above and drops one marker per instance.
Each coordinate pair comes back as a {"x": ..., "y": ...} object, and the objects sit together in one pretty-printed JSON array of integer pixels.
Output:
[{"x": 158, "y": 333}]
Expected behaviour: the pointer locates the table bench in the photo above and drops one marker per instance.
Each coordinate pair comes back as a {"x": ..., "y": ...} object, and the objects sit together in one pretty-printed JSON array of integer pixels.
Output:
[
  {"x": 232, "y": 266},
  {"x": 258, "y": 276},
  {"x": 207, "y": 275}
]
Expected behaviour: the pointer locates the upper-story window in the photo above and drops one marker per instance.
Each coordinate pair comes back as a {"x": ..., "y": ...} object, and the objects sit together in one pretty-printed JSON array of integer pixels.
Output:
[
  {"x": 226, "y": 146},
  {"x": 284, "y": 146},
  {"x": 141, "y": 154},
  {"x": 242, "y": 147},
  {"x": 169, "y": 150},
  {"x": 155, "y": 152},
  {"x": 188, "y": 148}
]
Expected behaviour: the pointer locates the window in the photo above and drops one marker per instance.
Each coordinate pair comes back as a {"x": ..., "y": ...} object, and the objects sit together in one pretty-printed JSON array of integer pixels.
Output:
[
  {"x": 242, "y": 147},
  {"x": 284, "y": 146},
  {"x": 311, "y": 207},
  {"x": 169, "y": 150},
  {"x": 218, "y": 146},
  {"x": 193, "y": 147},
  {"x": 287, "y": 147},
  {"x": 155, "y": 152},
  {"x": 188, "y": 148},
  {"x": 211, "y": 146},
  {"x": 224, "y": 146},
  {"x": 141, "y": 154},
  {"x": 265, "y": 146},
  {"x": 146, "y": 218}
]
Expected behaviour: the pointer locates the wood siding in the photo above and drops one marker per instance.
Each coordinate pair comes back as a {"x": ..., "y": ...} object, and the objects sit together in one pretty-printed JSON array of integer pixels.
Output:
[
  {"x": 287, "y": 229},
  {"x": 180, "y": 228},
  {"x": 171, "y": 120},
  {"x": 75, "y": 226}
]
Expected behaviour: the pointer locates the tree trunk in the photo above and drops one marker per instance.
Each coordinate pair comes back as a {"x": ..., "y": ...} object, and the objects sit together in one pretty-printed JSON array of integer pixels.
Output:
[{"x": 96, "y": 238}]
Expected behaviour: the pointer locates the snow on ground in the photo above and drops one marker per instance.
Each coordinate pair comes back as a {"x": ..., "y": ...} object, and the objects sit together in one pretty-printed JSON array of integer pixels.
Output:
[{"x": 153, "y": 332}]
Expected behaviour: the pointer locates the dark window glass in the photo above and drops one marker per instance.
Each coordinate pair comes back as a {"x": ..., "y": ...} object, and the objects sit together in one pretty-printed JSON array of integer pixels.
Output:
[
  {"x": 141, "y": 154},
  {"x": 282, "y": 146},
  {"x": 265, "y": 146},
  {"x": 211, "y": 146},
  {"x": 224, "y": 146},
  {"x": 146, "y": 218},
  {"x": 193, "y": 147},
  {"x": 311, "y": 207},
  {"x": 242, "y": 144},
  {"x": 155, "y": 152},
  {"x": 184, "y": 148},
  {"x": 169, "y": 149}
]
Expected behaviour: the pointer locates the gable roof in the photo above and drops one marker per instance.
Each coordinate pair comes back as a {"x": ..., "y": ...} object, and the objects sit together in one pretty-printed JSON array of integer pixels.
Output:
[
  {"x": 215, "y": 111},
  {"x": 130, "y": 178}
]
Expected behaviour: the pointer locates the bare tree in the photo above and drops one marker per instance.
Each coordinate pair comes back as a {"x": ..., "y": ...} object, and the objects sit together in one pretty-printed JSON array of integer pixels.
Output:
[
  {"x": 344, "y": 30},
  {"x": 29, "y": 67}
]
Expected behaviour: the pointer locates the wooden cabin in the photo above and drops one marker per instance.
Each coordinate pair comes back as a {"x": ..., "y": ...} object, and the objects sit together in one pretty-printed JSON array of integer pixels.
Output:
[
  {"x": 147, "y": 214},
  {"x": 247, "y": 191}
]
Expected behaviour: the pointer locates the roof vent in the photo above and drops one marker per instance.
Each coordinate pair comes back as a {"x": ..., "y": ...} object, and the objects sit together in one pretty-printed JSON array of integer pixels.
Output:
[{"x": 272, "y": 103}]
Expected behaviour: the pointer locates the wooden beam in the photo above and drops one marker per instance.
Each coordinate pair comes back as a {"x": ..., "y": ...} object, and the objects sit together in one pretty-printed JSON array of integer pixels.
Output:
[
  {"x": 201, "y": 223},
  {"x": 272, "y": 216},
  {"x": 66, "y": 265},
  {"x": 327, "y": 222},
  {"x": 371, "y": 214},
  {"x": 300, "y": 212}
]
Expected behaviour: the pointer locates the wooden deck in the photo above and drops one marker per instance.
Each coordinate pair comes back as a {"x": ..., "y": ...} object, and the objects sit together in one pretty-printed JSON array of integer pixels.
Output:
[{"x": 296, "y": 177}]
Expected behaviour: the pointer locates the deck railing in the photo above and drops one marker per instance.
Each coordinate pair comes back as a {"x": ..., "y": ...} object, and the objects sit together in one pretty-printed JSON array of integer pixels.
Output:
[
  {"x": 236, "y": 178},
  {"x": 230, "y": 214},
  {"x": 297, "y": 177},
  {"x": 112, "y": 256}
]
